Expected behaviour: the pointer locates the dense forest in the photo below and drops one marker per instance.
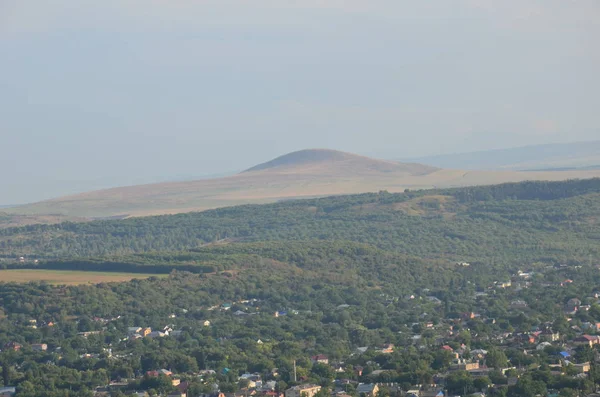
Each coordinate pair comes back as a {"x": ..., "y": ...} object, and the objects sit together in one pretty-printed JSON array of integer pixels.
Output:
[{"x": 508, "y": 223}]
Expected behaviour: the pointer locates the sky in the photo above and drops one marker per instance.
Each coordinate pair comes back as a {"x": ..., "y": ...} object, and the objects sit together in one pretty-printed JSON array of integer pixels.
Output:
[{"x": 95, "y": 94}]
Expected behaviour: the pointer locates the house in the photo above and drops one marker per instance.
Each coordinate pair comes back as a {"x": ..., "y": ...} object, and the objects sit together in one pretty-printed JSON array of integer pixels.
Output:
[
  {"x": 367, "y": 389},
  {"x": 39, "y": 347},
  {"x": 518, "y": 304},
  {"x": 543, "y": 345},
  {"x": 306, "y": 390},
  {"x": 156, "y": 334},
  {"x": 549, "y": 336},
  {"x": 146, "y": 331},
  {"x": 320, "y": 358},
  {"x": 13, "y": 346},
  {"x": 134, "y": 330},
  {"x": 461, "y": 364},
  {"x": 386, "y": 349},
  {"x": 586, "y": 340},
  {"x": 154, "y": 374},
  {"x": 479, "y": 353},
  {"x": 583, "y": 368},
  {"x": 573, "y": 302},
  {"x": 503, "y": 284},
  {"x": 8, "y": 391}
]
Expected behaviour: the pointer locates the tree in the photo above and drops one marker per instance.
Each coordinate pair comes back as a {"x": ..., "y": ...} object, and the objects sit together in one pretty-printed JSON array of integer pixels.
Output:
[{"x": 496, "y": 358}]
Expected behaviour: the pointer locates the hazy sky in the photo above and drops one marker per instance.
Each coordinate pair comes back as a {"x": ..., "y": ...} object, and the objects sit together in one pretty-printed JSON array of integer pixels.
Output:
[{"x": 117, "y": 92}]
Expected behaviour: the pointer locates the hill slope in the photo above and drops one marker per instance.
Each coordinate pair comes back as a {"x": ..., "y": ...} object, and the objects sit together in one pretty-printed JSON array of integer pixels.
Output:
[
  {"x": 512, "y": 223},
  {"x": 336, "y": 163},
  {"x": 309, "y": 173}
]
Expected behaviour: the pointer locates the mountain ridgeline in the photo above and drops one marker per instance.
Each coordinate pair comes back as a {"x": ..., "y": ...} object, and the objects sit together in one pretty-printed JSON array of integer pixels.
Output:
[{"x": 501, "y": 225}]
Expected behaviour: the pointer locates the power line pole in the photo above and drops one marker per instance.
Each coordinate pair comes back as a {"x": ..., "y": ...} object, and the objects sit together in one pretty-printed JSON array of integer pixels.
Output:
[{"x": 295, "y": 376}]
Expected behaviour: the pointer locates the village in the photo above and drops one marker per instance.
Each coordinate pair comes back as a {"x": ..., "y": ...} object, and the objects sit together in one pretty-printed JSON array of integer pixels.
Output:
[{"x": 455, "y": 343}]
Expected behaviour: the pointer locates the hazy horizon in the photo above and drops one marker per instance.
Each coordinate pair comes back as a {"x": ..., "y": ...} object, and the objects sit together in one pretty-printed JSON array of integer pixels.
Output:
[{"x": 127, "y": 91}]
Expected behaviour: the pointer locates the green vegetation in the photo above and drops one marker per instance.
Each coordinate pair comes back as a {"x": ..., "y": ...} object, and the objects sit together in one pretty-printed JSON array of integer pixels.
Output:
[
  {"x": 508, "y": 223},
  {"x": 341, "y": 273}
]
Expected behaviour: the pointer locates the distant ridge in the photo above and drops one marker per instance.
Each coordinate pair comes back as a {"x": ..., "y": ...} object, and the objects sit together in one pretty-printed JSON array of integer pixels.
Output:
[
  {"x": 302, "y": 174},
  {"x": 335, "y": 160},
  {"x": 547, "y": 157}
]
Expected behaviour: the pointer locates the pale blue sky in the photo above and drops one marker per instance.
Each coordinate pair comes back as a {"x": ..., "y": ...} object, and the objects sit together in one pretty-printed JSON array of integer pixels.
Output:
[{"x": 96, "y": 94}]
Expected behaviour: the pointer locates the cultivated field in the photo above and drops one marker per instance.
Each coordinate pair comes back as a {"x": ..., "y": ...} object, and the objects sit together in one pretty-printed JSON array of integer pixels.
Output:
[{"x": 67, "y": 277}]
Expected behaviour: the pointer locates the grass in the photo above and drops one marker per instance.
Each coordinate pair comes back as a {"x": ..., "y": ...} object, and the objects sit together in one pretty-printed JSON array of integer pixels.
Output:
[
  {"x": 351, "y": 175},
  {"x": 67, "y": 277}
]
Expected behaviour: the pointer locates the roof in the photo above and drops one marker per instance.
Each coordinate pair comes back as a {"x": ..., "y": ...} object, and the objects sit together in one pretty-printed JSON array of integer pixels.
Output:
[{"x": 365, "y": 388}]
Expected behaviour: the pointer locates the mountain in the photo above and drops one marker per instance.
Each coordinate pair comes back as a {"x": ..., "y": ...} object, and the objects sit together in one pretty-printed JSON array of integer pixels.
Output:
[
  {"x": 553, "y": 157},
  {"x": 302, "y": 174}
]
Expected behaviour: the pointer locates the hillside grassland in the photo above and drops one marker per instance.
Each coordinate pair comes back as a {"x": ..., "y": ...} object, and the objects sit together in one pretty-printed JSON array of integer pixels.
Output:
[
  {"x": 312, "y": 174},
  {"x": 66, "y": 277}
]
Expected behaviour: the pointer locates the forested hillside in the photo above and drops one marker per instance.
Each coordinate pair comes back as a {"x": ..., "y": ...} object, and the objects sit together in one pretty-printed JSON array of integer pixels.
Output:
[{"x": 509, "y": 223}]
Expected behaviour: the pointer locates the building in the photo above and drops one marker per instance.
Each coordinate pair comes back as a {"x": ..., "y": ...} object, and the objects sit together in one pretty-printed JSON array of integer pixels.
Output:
[
  {"x": 320, "y": 358},
  {"x": 460, "y": 364},
  {"x": 367, "y": 389},
  {"x": 586, "y": 340},
  {"x": 583, "y": 368},
  {"x": 134, "y": 330},
  {"x": 303, "y": 391},
  {"x": 39, "y": 347},
  {"x": 549, "y": 336},
  {"x": 7, "y": 391}
]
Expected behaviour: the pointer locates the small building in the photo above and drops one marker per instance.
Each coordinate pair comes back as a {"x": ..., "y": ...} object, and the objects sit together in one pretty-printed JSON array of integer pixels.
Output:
[
  {"x": 134, "y": 330},
  {"x": 320, "y": 358},
  {"x": 461, "y": 364},
  {"x": 367, "y": 389},
  {"x": 39, "y": 347},
  {"x": 586, "y": 340},
  {"x": 306, "y": 390},
  {"x": 14, "y": 346},
  {"x": 8, "y": 391},
  {"x": 582, "y": 368}
]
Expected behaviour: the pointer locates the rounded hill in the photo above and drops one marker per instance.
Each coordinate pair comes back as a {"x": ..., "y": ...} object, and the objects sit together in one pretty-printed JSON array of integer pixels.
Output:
[{"x": 315, "y": 160}]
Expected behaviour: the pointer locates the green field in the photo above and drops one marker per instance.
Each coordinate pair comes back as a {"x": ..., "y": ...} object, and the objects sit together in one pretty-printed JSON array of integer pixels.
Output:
[{"x": 67, "y": 277}]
